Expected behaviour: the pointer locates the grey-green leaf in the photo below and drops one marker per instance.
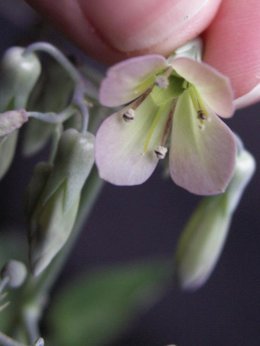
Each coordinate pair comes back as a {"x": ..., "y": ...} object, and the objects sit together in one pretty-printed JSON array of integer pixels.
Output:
[{"x": 98, "y": 308}]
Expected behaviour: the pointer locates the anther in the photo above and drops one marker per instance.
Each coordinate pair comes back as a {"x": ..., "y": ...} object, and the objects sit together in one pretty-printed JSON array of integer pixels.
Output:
[
  {"x": 161, "y": 152},
  {"x": 201, "y": 115},
  {"x": 162, "y": 82},
  {"x": 129, "y": 115}
]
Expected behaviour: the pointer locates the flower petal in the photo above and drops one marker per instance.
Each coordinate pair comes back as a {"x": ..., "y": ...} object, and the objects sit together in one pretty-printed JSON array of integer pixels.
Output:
[
  {"x": 201, "y": 159},
  {"x": 213, "y": 87},
  {"x": 128, "y": 79},
  {"x": 125, "y": 150},
  {"x": 248, "y": 99}
]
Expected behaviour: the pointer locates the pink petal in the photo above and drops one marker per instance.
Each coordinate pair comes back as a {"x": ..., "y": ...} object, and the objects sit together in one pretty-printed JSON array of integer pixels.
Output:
[
  {"x": 128, "y": 79},
  {"x": 120, "y": 155},
  {"x": 201, "y": 160},
  {"x": 213, "y": 87},
  {"x": 248, "y": 99}
]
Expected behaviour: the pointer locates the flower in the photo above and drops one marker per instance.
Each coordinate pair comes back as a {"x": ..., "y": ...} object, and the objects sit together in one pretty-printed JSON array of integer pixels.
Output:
[{"x": 169, "y": 103}]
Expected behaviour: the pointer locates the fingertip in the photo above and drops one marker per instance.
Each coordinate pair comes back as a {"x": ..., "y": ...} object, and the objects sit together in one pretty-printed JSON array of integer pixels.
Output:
[
  {"x": 232, "y": 44},
  {"x": 157, "y": 26}
]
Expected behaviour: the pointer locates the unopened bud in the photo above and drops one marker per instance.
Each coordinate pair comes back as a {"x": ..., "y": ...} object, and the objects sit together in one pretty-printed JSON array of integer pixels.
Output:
[
  {"x": 7, "y": 151},
  {"x": 12, "y": 120},
  {"x": 56, "y": 210},
  {"x": 203, "y": 238},
  {"x": 18, "y": 75},
  {"x": 15, "y": 272}
]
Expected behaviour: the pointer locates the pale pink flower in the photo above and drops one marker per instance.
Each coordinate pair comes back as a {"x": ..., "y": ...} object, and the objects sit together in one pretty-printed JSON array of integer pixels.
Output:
[{"x": 170, "y": 104}]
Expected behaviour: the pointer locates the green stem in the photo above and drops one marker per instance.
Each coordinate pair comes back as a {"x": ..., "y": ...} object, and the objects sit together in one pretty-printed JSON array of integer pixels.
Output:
[
  {"x": 80, "y": 87},
  {"x": 57, "y": 55}
]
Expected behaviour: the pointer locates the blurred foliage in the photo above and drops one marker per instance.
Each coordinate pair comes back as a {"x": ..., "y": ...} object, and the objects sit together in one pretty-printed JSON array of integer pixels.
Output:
[
  {"x": 96, "y": 309},
  {"x": 12, "y": 246}
]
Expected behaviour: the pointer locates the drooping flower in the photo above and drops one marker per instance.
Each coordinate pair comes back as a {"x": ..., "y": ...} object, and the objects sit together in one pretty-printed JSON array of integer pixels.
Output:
[{"x": 169, "y": 103}]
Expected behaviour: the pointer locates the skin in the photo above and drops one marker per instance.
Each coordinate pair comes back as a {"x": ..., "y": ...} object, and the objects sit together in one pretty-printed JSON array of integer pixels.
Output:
[{"x": 112, "y": 30}]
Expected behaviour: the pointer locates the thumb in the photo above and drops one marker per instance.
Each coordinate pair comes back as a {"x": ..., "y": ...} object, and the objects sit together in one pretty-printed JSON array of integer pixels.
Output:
[
  {"x": 232, "y": 44},
  {"x": 143, "y": 26},
  {"x": 111, "y": 30}
]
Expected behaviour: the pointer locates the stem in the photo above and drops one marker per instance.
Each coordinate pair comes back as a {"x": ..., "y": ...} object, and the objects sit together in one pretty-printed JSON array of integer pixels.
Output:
[
  {"x": 57, "y": 55},
  {"x": 53, "y": 118},
  {"x": 80, "y": 102},
  {"x": 78, "y": 97}
]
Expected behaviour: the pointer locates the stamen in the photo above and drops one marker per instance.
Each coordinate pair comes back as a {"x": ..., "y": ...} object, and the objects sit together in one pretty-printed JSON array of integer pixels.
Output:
[
  {"x": 162, "y": 82},
  {"x": 161, "y": 152},
  {"x": 129, "y": 115},
  {"x": 202, "y": 113}
]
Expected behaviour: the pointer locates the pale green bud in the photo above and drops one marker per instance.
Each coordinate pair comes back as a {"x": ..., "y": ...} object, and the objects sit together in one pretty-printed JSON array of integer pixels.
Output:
[
  {"x": 18, "y": 75},
  {"x": 15, "y": 273},
  {"x": 12, "y": 120},
  {"x": 55, "y": 213},
  {"x": 7, "y": 151},
  {"x": 203, "y": 238}
]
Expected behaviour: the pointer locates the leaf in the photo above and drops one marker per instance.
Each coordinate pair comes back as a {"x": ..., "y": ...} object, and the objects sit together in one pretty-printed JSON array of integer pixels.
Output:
[{"x": 95, "y": 310}]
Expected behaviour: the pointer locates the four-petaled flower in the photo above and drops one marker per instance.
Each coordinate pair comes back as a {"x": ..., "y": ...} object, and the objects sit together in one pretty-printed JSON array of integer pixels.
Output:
[{"x": 169, "y": 103}]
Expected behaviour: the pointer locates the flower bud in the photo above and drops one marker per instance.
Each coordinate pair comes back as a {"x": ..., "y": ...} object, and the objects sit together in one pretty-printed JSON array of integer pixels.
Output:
[
  {"x": 12, "y": 120},
  {"x": 203, "y": 238},
  {"x": 55, "y": 212},
  {"x": 7, "y": 151},
  {"x": 15, "y": 272},
  {"x": 18, "y": 75}
]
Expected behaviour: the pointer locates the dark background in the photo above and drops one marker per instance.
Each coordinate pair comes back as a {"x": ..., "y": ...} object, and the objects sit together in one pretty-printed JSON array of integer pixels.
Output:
[{"x": 144, "y": 222}]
